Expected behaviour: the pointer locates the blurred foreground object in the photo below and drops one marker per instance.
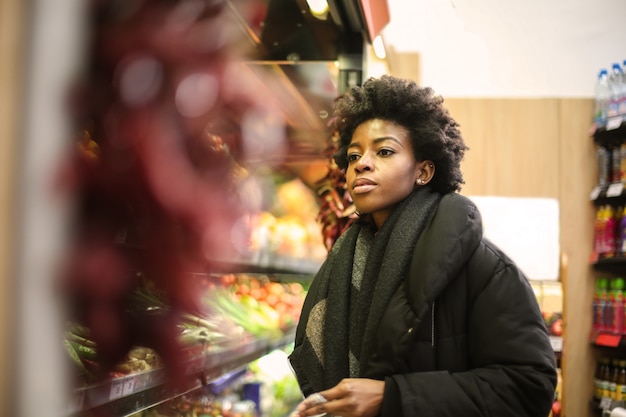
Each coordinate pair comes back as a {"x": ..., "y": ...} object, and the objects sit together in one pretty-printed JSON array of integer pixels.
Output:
[
  {"x": 164, "y": 114},
  {"x": 337, "y": 211}
]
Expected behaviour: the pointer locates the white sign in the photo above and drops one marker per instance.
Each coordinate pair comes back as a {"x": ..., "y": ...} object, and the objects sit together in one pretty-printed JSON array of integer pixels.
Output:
[{"x": 527, "y": 230}]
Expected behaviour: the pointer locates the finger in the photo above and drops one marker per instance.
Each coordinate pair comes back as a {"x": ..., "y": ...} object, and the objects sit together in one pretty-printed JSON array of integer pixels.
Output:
[{"x": 313, "y": 400}]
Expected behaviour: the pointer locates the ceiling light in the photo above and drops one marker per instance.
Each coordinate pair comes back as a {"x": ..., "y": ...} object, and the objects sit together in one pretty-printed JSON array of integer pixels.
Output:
[
  {"x": 379, "y": 47},
  {"x": 318, "y": 8}
]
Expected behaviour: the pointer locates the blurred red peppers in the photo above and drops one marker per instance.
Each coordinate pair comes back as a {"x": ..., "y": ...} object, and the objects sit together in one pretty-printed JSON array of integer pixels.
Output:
[{"x": 153, "y": 172}]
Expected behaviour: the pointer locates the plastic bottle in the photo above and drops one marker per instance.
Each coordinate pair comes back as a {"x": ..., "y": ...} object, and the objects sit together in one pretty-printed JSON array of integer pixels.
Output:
[
  {"x": 614, "y": 378},
  {"x": 601, "y": 300},
  {"x": 616, "y": 90},
  {"x": 622, "y": 159},
  {"x": 620, "y": 225},
  {"x": 617, "y": 301},
  {"x": 605, "y": 379},
  {"x": 609, "y": 232},
  {"x": 597, "y": 380},
  {"x": 616, "y": 165},
  {"x": 602, "y": 97},
  {"x": 597, "y": 307},
  {"x": 621, "y": 383},
  {"x": 622, "y": 105},
  {"x": 603, "y": 161},
  {"x": 608, "y": 308},
  {"x": 598, "y": 232}
]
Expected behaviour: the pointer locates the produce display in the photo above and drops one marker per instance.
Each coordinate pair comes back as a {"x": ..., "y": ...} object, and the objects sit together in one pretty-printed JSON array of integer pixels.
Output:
[
  {"x": 262, "y": 307},
  {"x": 234, "y": 308},
  {"x": 265, "y": 388},
  {"x": 288, "y": 226}
]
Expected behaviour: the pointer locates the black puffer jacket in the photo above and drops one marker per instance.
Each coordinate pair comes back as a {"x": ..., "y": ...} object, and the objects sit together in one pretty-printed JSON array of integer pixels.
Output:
[{"x": 464, "y": 336}]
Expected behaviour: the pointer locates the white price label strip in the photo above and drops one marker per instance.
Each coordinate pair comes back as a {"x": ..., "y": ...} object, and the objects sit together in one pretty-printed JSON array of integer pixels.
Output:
[
  {"x": 117, "y": 389},
  {"x": 615, "y": 189},
  {"x": 613, "y": 123},
  {"x": 557, "y": 343},
  {"x": 594, "y": 193},
  {"x": 129, "y": 386}
]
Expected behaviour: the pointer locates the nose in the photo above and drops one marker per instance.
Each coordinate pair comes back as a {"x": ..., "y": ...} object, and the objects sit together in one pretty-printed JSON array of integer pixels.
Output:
[{"x": 364, "y": 163}]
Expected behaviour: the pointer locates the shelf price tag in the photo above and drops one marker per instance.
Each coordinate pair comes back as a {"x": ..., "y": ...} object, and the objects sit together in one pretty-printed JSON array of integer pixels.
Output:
[
  {"x": 78, "y": 401},
  {"x": 613, "y": 123},
  {"x": 129, "y": 386},
  {"x": 605, "y": 403},
  {"x": 615, "y": 189},
  {"x": 609, "y": 340},
  {"x": 117, "y": 389},
  {"x": 557, "y": 343},
  {"x": 594, "y": 193}
]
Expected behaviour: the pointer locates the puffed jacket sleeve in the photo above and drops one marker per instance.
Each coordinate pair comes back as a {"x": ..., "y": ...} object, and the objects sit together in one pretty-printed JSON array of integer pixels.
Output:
[{"x": 511, "y": 369}]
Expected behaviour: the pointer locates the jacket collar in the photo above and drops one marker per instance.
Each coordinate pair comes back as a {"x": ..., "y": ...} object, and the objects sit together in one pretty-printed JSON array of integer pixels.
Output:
[{"x": 443, "y": 249}]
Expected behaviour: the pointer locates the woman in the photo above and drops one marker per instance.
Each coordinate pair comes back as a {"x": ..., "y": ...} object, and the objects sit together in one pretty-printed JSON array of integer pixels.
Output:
[{"x": 414, "y": 313}]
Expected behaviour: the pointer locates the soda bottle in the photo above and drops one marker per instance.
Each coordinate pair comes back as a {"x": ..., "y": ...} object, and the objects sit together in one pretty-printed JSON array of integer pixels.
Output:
[
  {"x": 598, "y": 231},
  {"x": 597, "y": 380},
  {"x": 619, "y": 216},
  {"x": 605, "y": 380},
  {"x": 613, "y": 380},
  {"x": 620, "y": 392},
  {"x": 602, "y": 97},
  {"x": 622, "y": 158},
  {"x": 603, "y": 161},
  {"x": 609, "y": 232},
  {"x": 616, "y": 90},
  {"x": 622, "y": 104},
  {"x": 617, "y": 301},
  {"x": 616, "y": 165},
  {"x": 608, "y": 307},
  {"x": 596, "y": 308},
  {"x": 599, "y": 302},
  {"x": 622, "y": 234}
]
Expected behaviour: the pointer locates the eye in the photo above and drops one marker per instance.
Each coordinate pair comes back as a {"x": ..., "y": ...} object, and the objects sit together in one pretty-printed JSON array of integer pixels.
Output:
[
  {"x": 385, "y": 152},
  {"x": 353, "y": 156}
]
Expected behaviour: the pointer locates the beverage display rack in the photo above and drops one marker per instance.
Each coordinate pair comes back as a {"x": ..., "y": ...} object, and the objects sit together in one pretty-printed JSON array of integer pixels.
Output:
[{"x": 610, "y": 136}]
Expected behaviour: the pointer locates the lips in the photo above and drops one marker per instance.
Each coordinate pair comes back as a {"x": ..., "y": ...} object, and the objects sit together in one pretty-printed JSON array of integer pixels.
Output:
[{"x": 363, "y": 185}]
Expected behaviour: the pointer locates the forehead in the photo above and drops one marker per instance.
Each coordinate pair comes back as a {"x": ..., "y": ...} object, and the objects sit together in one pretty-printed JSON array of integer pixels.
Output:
[{"x": 379, "y": 128}]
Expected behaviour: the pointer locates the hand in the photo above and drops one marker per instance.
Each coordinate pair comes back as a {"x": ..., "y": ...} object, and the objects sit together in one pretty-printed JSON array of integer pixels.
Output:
[{"x": 352, "y": 397}]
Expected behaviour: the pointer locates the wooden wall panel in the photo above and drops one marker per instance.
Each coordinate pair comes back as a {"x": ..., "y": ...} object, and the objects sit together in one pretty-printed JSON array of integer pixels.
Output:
[
  {"x": 513, "y": 146},
  {"x": 577, "y": 177}
]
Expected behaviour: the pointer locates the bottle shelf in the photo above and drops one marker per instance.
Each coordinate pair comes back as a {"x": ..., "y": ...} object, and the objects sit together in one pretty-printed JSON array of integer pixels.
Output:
[
  {"x": 129, "y": 394},
  {"x": 607, "y": 339},
  {"x": 614, "y": 264},
  {"x": 613, "y": 193},
  {"x": 612, "y": 134}
]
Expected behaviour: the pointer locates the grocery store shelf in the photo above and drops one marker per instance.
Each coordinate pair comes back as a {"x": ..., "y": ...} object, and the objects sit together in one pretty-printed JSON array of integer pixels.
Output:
[
  {"x": 613, "y": 193},
  {"x": 610, "y": 135},
  {"x": 608, "y": 339},
  {"x": 266, "y": 262},
  {"x": 557, "y": 343},
  {"x": 129, "y": 394},
  {"x": 614, "y": 264}
]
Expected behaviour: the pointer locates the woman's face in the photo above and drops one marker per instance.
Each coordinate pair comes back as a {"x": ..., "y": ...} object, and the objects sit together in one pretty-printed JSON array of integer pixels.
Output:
[{"x": 382, "y": 170}]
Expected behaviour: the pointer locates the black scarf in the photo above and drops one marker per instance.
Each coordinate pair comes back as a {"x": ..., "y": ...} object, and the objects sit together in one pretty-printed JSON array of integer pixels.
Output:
[{"x": 331, "y": 332}]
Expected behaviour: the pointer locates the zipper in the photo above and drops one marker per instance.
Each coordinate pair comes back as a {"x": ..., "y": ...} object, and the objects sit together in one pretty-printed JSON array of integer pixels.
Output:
[{"x": 432, "y": 326}]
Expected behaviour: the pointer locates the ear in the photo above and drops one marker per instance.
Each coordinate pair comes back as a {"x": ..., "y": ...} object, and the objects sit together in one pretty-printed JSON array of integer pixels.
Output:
[{"x": 425, "y": 172}]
